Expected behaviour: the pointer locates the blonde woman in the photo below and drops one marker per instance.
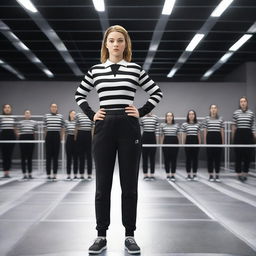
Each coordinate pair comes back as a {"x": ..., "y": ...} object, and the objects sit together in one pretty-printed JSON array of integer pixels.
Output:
[{"x": 117, "y": 129}]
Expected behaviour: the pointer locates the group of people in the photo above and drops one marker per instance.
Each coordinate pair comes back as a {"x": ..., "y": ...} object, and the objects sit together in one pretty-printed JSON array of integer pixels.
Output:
[{"x": 117, "y": 132}]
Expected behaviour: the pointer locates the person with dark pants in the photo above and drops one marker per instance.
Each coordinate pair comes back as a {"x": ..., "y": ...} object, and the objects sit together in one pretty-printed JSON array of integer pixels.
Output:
[
  {"x": 8, "y": 132},
  {"x": 117, "y": 130},
  {"x": 213, "y": 134},
  {"x": 27, "y": 128},
  {"x": 170, "y": 135},
  {"x": 191, "y": 135},
  {"x": 150, "y": 125},
  {"x": 84, "y": 144},
  {"x": 243, "y": 131},
  {"x": 71, "y": 148},
  {"x": 54, "y": 124}
]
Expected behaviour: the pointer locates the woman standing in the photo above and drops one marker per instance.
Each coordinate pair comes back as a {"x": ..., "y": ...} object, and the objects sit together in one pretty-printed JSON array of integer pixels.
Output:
[
  {"x": 191, "y": 135},
  {"x": 117, "y": 129},
  {"x": 27, "y": 128},
  {"x": 170, "y": 132},
  {"x": 150, "y": 127},
  {"x": 243, "y": 132},
  {"x": 54, "y": 132},
  {"x": 71, "y": 149},
  {"x": 84, "y": 144},
  {"x": 8, "y": 132},
  {"x": 213, "y": 134}
]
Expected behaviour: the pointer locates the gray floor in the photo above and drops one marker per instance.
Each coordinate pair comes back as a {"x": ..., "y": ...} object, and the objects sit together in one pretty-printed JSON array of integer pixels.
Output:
[{"x": 183, "y": 218}]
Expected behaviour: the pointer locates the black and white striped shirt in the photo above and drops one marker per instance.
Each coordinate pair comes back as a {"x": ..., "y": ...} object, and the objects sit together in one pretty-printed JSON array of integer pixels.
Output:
[
  {"x": 7, "y": 122},
  {"x": 117, "y": 90},
  {"x": 83, "y": 123},
  {"x": 53, "y": 122},
  {"x": 244, "y": 119},
  {"x": 70, "y": 127},
  {"x": 191, "y": 129},
  {"x": 27, "y": 126},
  {"x": 150, "y": 124},
  {"x": 213, "y": 124},
  {"x": 170, "y": 129}
]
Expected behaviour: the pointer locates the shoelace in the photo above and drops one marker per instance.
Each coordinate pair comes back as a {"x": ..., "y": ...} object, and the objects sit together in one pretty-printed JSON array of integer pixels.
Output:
[
  {"x": 97, "y": 240},
  {"x": 131, "y": 240}
]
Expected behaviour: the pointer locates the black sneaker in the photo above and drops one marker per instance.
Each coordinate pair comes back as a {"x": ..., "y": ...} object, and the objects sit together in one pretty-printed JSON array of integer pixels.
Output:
[
  {"x": 89, "y": 178},
  {"x": 241, "y": 178},
  {"x": 152, "y": 178},
  {"x": 99, "y": 245},
  {"x": 6, "y": 176},
  {"x": 25, "y": 177},
  {"x": 146, "y": 178},
  {"x": 195, "y": 177},
  {"x": 172, "y": 179},
  {"x": 30, "y": 176},
  {"x": 131, "y": 246},
  {"x": 49, "y": 178},
  {"x": 211, "y": 179},
  {"x": 189, "y": 177}
]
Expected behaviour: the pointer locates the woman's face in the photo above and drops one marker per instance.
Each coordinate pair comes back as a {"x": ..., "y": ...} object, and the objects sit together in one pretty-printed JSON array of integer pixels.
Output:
[
  {"x": 213, "y": 110},
  {"x": 191, "y": 116},
  {"x": 115, "y": 44},
  {"x": 243, "y": 103},
  {"x": 169, "y": 118},
  {"x": 7, "y": 109},
  {"x": 72, "y": 115},
  {"x": 27, "y": 114},
  {"x": 54, "y": 108}
]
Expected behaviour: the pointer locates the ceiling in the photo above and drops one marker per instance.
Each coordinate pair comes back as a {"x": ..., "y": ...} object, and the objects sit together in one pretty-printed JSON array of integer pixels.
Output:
[{"x": 77, "y": 24}]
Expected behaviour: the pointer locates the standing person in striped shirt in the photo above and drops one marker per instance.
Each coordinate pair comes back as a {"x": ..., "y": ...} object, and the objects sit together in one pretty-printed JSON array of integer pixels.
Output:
[
  {"x": 117, "y": 129},
  {"x": 150, "y": 125},
  {"x": 84, "y": 144},
  {"x": 191, "y": 135},
  {"x": 243, "y": 131},
  {"x": 27, "y": 128},
  {"x": 170, "y": 135},
  {"x": 8, "y": 128},
  {"x": 71, "y": 148},
  {"x": 213, "y": 134},
  {"x": 54, "y": 131}
]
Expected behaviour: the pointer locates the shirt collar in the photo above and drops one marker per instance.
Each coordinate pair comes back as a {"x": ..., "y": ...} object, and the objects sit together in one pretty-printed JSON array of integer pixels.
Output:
[{"x": 122, "y": 63}]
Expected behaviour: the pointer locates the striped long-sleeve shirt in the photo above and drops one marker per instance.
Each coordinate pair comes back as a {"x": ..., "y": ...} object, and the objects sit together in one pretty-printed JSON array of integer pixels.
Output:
[
  {"x": 7, "y": 122},
  {"x": 213, "y": 124},
  {"x": 53, "y": 122},
  {"x": 83, "y": 123},
  {"x": 191, "y": 129},
  {"x": 117, "y": 90},
  {"x": 70, "y": 127},
  {"x": 170, "y": 129},
  {"x": 27, "y": 126},
  {"x": 150, "y": 124},
  {"x": 244, "y": 119}
]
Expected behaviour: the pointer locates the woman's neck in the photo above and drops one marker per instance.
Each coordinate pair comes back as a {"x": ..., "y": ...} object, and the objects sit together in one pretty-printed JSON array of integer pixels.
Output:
[{"x": 115, "y": 59}]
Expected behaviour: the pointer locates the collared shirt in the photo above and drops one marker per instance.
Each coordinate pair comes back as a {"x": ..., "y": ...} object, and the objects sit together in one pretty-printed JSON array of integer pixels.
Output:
[{"x": 117, "y": 90}]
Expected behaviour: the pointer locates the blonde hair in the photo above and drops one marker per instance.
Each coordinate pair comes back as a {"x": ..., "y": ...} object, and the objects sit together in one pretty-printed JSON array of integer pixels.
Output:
[{"x": 128, "y": 45}]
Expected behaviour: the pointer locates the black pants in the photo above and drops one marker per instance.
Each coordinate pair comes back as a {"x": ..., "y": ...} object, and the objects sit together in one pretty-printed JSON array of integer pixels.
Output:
[
  {"x": 148, "y": 152},
  {"x": 7, "y": 148},
  {"x": 118, "y": 134},
  {"x": 213, "y": 154},
  {"x": 26, "y": 151},
  {"x": 52, "y": 143},
  {"x": 71, "y": 152},
  {"x": 191, "y": 154},
  {"x": 170, "y": 154},
  {"x": 84, "y": 149},
  {"x": 243, "y": 155}
]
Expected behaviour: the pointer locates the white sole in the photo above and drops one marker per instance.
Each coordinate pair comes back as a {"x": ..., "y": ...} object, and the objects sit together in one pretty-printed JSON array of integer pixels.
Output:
[
  {"x": 132, "y": 252},
  {"x": 98, "y": 252}
]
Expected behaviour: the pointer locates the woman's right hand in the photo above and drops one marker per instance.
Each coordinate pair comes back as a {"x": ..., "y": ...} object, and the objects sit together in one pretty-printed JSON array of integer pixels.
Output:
[{"x": 99, "y": 115}]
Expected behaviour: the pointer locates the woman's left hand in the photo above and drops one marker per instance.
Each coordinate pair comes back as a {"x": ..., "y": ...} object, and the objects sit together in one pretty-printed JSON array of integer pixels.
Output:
[{"x": 132, "y": 111}]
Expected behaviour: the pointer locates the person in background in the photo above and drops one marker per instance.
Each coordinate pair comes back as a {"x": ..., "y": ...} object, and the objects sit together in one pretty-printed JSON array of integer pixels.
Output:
[
  {"x": 71, "y": 148},
  {"x": 170, "y": 135},
  {"x": 27, "y": 129},
  {"x": 150, "y": 125},
  {"x": 191, "y": 135},
  {"x": 8, "y": 128},
  {"x": 243, "y": 132},
  {"x": 54, "y": 131}
]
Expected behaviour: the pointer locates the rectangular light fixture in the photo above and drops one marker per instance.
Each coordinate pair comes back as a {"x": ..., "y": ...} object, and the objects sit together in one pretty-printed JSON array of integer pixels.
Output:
[
  {"x": 225, "y": 57},
  {"x": 240, "y": 42},
  {"x": 194, "y": 42},
  {"x": 208, "y": 73},
  {"x": 48, "y": 72},
  {"x": 11, "y": 69},
  {"x": 99, "y": 5},
  {"x": 27, "y": 5},
  {"x": 252, "y": 29},
  {"x": 168, "y": 7},
  {"x": 224, "y": 4},
  {"x": 172, "y": 72}
]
